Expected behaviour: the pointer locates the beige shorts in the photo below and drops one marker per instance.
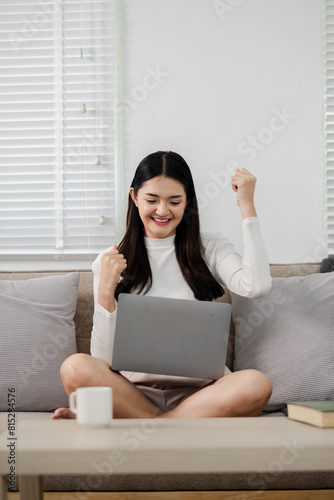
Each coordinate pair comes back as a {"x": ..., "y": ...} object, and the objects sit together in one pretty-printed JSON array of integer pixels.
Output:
[
  {"x": 167, "y": 392},
  {"x": 167, "y": 399}
]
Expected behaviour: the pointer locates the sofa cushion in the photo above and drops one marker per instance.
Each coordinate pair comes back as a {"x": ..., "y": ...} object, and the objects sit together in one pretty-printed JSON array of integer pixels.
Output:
[
  {"x": 288, "y": 335},
  {"x": 37, "y": 333}
]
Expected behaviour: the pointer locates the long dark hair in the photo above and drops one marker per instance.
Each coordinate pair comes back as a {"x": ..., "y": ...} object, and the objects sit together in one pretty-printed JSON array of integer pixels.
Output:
[{"x": 188, "y": 244}]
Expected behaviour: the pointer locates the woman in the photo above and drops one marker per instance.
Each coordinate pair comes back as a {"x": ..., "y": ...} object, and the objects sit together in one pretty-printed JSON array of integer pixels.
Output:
[{"x": 164, "y": 254}]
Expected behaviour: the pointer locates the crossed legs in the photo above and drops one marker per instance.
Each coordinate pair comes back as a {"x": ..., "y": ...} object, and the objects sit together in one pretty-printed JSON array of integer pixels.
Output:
[{"x": 240, "y": 394}]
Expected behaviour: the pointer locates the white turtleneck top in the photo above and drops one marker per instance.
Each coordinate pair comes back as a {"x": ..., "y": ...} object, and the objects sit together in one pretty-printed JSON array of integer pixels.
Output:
[{"x": 249, "y": 277}]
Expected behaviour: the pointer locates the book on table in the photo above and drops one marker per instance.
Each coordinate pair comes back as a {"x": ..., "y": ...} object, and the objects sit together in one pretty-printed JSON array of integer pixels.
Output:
[{"x": 319, "y": 413}]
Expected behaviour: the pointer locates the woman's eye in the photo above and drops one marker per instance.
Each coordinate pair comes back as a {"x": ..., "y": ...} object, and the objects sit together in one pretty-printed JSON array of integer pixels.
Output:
[
  {"x": 175, "y": 203},
  {"x": 150, "y": 201}
]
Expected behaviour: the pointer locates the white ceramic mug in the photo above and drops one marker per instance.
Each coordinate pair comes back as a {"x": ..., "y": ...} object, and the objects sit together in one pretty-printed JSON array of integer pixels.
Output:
[{"x": 92, "y": 405}]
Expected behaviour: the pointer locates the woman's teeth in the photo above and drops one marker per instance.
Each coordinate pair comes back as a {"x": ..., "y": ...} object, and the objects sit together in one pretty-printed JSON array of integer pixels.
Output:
[{"x": 160, "y": 220}]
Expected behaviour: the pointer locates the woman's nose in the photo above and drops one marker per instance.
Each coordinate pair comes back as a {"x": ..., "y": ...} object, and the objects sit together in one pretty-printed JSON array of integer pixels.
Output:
[{"x": 162, "y": 209}]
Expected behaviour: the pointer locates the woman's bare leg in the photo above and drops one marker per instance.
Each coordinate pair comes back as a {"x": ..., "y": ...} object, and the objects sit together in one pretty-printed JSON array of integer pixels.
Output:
[
  {"x": 239, "y": 394},
  {"x": 82, "y": 370}
]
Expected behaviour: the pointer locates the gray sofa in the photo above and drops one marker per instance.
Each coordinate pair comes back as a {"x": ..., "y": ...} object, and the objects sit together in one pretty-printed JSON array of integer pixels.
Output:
[{"x": 178, "y": 482}]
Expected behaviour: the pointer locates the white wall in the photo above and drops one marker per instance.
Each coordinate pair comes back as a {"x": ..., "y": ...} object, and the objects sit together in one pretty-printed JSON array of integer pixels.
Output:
[{"x": 204, "y": 78}]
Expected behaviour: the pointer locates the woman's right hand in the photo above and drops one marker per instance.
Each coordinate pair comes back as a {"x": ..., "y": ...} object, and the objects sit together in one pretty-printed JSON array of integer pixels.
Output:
[{"x": 113, "y": 264}]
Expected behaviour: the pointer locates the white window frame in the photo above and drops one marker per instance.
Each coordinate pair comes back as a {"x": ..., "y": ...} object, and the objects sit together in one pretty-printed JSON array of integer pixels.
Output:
[
  {"x": 61, "y": 260},
  {"x": 329, "y": 122}
]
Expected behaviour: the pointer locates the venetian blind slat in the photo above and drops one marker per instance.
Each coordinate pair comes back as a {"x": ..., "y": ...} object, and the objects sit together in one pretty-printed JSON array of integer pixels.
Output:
[
  {"x": 56, "y": 162},
  {"x": 329, "y": 122}
]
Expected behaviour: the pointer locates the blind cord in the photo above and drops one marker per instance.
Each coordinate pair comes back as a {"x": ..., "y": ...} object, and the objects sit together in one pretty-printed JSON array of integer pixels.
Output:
[
  {"x": 84, "y": 111},
  {"x": 98, "y": 160}
]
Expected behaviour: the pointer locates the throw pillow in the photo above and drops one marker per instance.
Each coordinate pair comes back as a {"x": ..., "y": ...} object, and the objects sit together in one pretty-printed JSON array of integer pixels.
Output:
[
  {"x": 37, "y": 333},
  {"x": 289, "y": 336},
  {"x": 327, "y": 265}
]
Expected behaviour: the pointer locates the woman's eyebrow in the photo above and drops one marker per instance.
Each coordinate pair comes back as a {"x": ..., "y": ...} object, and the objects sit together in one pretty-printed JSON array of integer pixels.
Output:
[{"x": 157, "y": 196}]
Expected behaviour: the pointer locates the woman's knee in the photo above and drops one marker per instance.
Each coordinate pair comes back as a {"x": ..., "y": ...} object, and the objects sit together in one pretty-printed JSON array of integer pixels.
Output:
[
  {"x": 74, "y": 369},
  {"x": 259, "y": 388},
  {"x": 83, "y": 370}
]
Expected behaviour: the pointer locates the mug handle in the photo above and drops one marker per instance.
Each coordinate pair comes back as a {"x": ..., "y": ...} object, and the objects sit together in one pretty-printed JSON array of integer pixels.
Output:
[{"x": 72, "y": 405}]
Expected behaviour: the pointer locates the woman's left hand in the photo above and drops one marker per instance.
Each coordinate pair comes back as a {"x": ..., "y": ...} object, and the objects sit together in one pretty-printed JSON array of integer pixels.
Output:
[{"x": 243, "y": 183}]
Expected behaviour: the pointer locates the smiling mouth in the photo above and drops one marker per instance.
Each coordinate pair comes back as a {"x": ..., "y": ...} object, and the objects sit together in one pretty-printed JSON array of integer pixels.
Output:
[{"x": 161, "y": 222}]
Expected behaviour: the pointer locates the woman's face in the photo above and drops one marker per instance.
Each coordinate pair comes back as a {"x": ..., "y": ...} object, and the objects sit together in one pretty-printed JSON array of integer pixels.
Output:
[{"x": 161, "y": 202}]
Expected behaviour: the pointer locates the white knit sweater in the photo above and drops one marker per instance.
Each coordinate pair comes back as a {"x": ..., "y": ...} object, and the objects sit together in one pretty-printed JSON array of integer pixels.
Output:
[{"x": 249, "y": 277}]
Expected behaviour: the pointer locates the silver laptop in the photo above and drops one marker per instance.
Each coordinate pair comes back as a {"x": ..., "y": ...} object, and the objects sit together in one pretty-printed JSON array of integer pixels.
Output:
[{"x": 180, "y": 337}]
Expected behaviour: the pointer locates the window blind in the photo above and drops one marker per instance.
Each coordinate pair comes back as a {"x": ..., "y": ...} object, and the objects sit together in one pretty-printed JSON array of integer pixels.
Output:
[
  {"x": 57, "y": 194},
  {"x": 329, "y": 122}
]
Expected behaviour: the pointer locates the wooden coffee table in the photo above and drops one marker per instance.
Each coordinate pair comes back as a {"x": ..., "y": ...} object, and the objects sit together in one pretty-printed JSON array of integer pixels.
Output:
[{"x": 162, "y": 446}]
